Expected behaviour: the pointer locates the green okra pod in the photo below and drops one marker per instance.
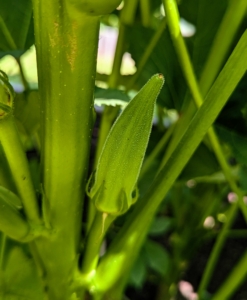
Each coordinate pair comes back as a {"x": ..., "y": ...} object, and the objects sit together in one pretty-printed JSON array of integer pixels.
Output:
[{"x": 112, "y": 187}]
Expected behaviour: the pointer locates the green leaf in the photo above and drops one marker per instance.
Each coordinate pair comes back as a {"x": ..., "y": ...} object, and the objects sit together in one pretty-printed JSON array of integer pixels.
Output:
[
  {"x": 237, "y": 143},
  {"x": 203, "y": 162},
  {"x": 157, "y": 257},
  {"x": 27, "y": 111},
  {"x": 16, "y": 27},
  {"x": 110, "y": 94},
  {"x": 19, "y": 280},
  {"x": 198, "y": 12},
  {"x": 160, "y": 225},
  {"x": 110, "y": 97},
  {"x": 138, "y": 273},
  {"x": 161, "y": 60}
]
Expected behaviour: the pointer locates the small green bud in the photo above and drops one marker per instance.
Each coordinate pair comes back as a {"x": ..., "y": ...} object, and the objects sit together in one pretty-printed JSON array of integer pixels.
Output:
[
  {"x": 6, "y": 96},
  {"x": 112, "y": 186}
]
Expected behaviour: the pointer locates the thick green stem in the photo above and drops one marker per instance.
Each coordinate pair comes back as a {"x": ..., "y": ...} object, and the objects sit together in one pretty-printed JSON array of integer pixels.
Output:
[
  {"x": 118, "y": 260},
  {"x": 66, "y": 42}
]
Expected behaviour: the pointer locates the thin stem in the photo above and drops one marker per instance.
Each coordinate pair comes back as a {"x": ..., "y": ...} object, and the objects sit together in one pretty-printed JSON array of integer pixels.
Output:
[
  {"x": 145, "y": 12},
  {"x": 113, "y": 78},
  {"x": 156, "y": 151},
  {"x": 18, "y": 164},
  {"x": 148, "y": 51},
  {"x": 2, "y": 251},
  {"x": 214, "y": 255},
  {"x": 97, "y": 232},
  {"x": 7, "y": 34},
  {"x": 230, "y": 23},
  {"x": 233, "y": 281},
  {"x": 23, "y": 78}
]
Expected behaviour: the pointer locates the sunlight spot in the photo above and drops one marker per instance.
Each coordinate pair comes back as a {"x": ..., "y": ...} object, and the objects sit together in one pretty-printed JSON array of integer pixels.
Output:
[
  {"x": 191, "y": 183},
  {"x": 187, "y": 290},
  {"x": 232, "y": 197},
  {"x": 209, "y": 222}
]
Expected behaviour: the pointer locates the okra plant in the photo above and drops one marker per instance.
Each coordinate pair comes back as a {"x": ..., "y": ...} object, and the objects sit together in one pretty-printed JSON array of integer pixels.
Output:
[{"x": 77, "y": 226}]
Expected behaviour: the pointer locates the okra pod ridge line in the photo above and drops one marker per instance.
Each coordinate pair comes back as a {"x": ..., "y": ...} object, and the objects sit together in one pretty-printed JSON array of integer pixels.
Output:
[{"x": 109, "y": 187}]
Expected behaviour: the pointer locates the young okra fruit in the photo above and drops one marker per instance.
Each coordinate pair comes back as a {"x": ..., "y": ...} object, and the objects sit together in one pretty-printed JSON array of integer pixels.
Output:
[{"x": 112, "y": 186}]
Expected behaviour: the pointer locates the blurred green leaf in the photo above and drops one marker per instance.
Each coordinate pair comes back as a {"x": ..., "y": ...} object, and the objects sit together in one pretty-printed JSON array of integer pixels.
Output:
[
  {"x": 237, "y": 143},
  {"x": 19, "y": 280},
  {"x": 202, "y": 163},
  {"x": 162, "y": 60},
  {"x": 157, "y": 257},
  {"x": 138, "y": 273},
  {"x": 110, "y": 94},
  {"x": 199, "y": 13},
  {"x": 160, "y": 225},
  {"x": 27, "y": 111},
  {"x": 16, "y": 27}
]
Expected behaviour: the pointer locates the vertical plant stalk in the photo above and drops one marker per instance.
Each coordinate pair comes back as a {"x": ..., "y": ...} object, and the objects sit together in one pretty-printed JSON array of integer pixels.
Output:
[
  {"x": 180, "y": 47},
  {"x": 125, "y": 248},
  {"x": 2, "y": 250},
  {"x": 66, "y": 42},
  {"x": 231, "y": 22},
  {"x": 214, "y": 255},
  {"x": 233, "y": 14},
  {"x": 145, "y": 12},
  {"x": 233, "y": 281},
  {"x": 147, "y": 53}
]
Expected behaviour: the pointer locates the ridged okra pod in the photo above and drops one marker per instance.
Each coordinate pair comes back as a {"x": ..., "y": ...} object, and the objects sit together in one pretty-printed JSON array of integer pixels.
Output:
[{"x": 112, "y": 186}]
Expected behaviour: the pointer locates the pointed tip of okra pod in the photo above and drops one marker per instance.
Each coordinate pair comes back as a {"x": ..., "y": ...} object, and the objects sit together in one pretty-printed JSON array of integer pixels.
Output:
[{"x": 112, "y": 187}]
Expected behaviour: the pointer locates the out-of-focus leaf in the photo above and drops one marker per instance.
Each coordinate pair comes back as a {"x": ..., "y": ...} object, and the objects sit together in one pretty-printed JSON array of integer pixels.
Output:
[
  {"x": 163, "y": 60},
  {"x": 237, "y": 143},
  {"x": 27, "y": 111},
  {"x": 16, "y": 27},
  {"x": 157, "y": 257},
  {"x": 101, "y": 93},
  {"x": 19, "y": 280},
  {"x": 160, "y": 225},
  {"x": 202, "y": 163},
  {"x": 138, "y": 273},
  {"x": 209, "y": 12}
]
